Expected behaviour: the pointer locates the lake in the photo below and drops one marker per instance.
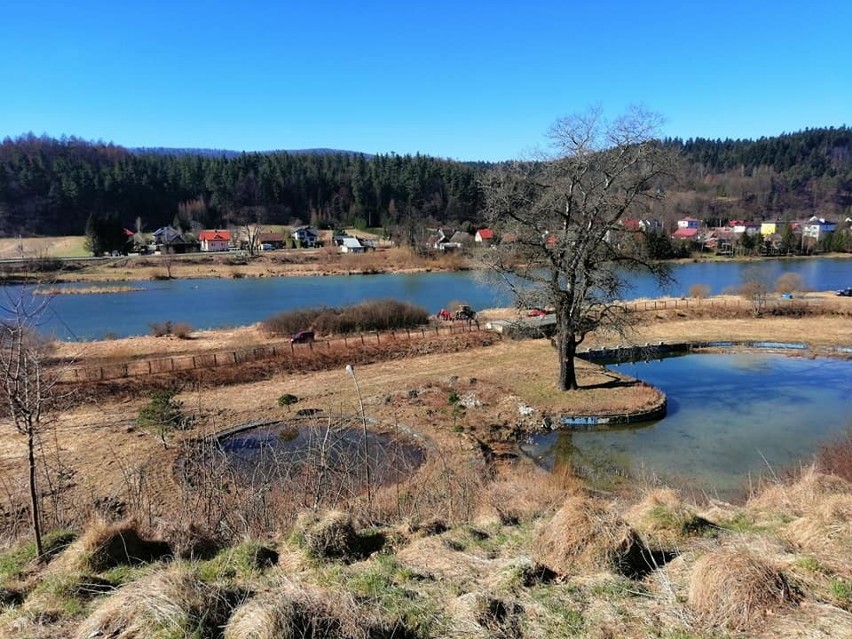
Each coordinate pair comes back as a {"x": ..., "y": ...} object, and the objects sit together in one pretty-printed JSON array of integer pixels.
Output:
[
  {"x": 217, "y": 303},
  {"x": 731, "y": 418}
]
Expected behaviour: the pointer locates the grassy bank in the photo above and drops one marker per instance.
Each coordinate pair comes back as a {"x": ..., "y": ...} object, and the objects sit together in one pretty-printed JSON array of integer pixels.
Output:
[{"x": 475, "y": 543}]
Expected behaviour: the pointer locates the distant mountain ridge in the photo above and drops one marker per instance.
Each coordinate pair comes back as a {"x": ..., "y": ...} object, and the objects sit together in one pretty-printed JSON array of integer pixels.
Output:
[{"x": 229, "y": 154}]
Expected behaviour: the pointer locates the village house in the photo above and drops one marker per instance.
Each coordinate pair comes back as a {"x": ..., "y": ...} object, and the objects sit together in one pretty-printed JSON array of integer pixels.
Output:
[
  {"x": 170, "y": 240},
  {"x": 817, "y": 228},
  {"x": 350, "y": 245},
  {"x": 688, "y": 228},
  {"x": 271, "y": 241},
  {"x": 306, "y": 236},
  {"x": 741, "y": 226},
  {"x": 214, "y": 240},
  {"x": 442, "y": 241},
  {"x": 484, "y": 237}
]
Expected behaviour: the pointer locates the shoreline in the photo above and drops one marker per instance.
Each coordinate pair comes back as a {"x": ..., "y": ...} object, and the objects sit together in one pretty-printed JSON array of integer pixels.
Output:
[{"x": 309, "y": 263}]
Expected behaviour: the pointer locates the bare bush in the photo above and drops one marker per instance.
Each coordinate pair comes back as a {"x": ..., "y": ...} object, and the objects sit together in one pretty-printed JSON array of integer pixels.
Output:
[
  {"x": 699, "y": 291},
  {"x": 373, "y": 315},
  {"x": 756, "y": 292},
  {"x": 163, "y": 329},
  {"x": 788, "y": 283},
  {"x": 836, "y": 458}
]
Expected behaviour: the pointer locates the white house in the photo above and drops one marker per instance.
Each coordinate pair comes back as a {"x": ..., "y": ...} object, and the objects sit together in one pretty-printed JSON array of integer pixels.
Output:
[
  {"x": 351, "y": 245},
  {"x": 689, "y": 223},
  {"x": 306, "y": 236},
  {"x": 214, "y": 240},
  {"x": 817, "y": 227}
]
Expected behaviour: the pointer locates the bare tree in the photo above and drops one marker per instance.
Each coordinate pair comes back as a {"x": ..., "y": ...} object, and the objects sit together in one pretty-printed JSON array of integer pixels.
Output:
[
  {"x": 560, "y": 223},
  {"x": 29, "y": 385},
  {"x": 251, "y": 228}
]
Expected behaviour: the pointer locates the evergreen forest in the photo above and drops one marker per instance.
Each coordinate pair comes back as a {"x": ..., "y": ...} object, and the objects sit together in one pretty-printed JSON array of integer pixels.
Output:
[{"x": 52, "y": 186}]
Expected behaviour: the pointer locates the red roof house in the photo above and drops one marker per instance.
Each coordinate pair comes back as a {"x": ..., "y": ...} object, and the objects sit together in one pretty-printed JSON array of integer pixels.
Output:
[{"x": 214, "y": 240}]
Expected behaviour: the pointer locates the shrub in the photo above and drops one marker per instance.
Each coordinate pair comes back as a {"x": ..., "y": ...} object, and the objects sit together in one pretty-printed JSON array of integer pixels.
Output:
[
  {"x": 789, "y": 283},
  {"x": 373, "y": 315},
  {"x": 162, "y": 414},
  {"x": 181, "y": 331},
  {"x": 699, "y": 291},
  {"x": 836, "y": 458},
  {"x": 287, "y": 400},
  {"x": 162, "y": 329}
]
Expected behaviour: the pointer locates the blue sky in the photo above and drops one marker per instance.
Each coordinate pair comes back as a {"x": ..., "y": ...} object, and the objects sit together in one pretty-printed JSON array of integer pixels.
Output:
[{"x": 465, "y": 80}]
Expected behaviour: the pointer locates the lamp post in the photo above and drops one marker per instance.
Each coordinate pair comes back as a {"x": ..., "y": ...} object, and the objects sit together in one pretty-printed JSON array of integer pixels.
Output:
[{"x": 351, "y": 370}]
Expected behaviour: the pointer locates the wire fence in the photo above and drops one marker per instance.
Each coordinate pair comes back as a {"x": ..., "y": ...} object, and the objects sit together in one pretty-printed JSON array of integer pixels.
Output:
[{"x": 189, "y": 362}]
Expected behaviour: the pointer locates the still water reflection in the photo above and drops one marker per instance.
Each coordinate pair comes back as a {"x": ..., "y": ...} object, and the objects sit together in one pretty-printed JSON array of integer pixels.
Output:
[{"x": 732, "y": 417}]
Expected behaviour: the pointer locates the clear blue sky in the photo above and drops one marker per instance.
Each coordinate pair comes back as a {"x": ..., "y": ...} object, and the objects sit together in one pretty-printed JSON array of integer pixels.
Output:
[{"x": 468, "y": 80}]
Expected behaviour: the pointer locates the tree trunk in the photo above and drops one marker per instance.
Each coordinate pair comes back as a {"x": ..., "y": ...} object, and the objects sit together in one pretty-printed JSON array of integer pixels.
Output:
[
  {"x": 567, "y": 348},
  {"x": 34, "y": 508}
]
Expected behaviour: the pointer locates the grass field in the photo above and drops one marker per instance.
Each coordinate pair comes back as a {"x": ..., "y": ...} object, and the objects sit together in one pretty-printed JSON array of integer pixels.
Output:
[{"x": 38, "y": 247}]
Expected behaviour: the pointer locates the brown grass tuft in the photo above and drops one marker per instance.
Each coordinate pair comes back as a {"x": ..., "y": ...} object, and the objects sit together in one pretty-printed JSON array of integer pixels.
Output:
[
  {"x": 736, "y": 590},
  {"x": 826, "y": 530},
  {"x": 190, "y": 541},
  {"x": 329, "y": 535},
  {"x": 805, "y": 494},
  {"x": 588, "y": 535},
  {"x": 662, "y": 517},
  {"x": 477, "y": 614},
  {"x": 525, "y": 493},
  {"x": 172, "y": 603},
  {"x": 290, "y": 611},
  {"x": 107, "y": 545}
]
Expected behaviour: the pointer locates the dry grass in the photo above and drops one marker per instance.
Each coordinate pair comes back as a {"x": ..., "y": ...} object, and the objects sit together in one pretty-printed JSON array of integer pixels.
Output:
[
  {"x": 805, "y": 494},
  {"x": 107, "y": 545},
  {"x": 301, "y": 262},
  {"x": 329, "y": 535},
  {"x": 290, "y": 611},
  {"x": 167, "y": 604},
  {"x": 736, "y": 589},
  {"x": 588, "y": 535},
  {"x": 525, "y": 492},
  {"x": 826, "y": 530},
  {"x": 481, "y": 615},
  {"x": 665, "y": 519}
]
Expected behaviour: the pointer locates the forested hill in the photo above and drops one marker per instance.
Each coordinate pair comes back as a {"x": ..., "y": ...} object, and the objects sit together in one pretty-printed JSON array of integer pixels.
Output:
[
  {"x": 50, "y": 186},
  {"x": 788, "y": 176}
]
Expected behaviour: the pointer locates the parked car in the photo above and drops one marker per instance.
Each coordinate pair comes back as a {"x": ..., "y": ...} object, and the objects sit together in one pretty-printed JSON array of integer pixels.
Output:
[
  {"x": 844, "y": 292},
  {"x": 302, "y": 337}
]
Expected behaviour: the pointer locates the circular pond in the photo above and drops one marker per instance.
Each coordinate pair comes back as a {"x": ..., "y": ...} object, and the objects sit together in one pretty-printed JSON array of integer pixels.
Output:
[
  {"x": 731, "y": 418},
  {"x": 307, "y": 456}
]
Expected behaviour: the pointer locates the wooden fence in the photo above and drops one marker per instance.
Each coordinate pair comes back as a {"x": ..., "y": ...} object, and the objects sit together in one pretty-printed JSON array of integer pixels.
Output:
[{"x": 177, "y": 363}]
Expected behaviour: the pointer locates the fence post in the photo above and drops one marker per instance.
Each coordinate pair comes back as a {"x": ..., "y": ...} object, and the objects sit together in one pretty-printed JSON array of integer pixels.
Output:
[{"x": 362, "y": 339}]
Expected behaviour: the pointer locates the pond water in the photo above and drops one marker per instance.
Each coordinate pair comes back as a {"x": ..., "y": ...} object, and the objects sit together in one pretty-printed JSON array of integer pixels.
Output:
[
  {"x": 218, "y": 303},
  {"x": 316, "y": 457},
  {"x": 731, "y": 418}
]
